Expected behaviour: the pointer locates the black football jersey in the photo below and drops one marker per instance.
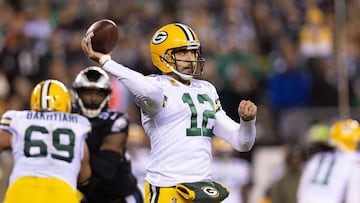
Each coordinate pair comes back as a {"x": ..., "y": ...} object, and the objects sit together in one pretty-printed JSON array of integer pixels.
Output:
[
  {"x": 107, "y": 123},
  {"x": 124, "y": 182}
]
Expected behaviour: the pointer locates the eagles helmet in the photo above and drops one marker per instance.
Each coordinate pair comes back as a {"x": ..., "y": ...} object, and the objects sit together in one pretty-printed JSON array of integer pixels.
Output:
[
  {"x": 92, "y": 78},
  {"x": 50, "y": 95},
  {"x": 345, "y": 134},
  {"x": 171, "y": 38}
]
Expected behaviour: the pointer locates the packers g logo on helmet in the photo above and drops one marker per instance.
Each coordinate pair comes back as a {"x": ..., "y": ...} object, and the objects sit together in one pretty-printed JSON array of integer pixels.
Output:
[
  {"x": 171, "y": 38},
  {"x": 345, "y": 134},
  {"x": 50, "y": 95},
  {"x": 159, "y": 37}
]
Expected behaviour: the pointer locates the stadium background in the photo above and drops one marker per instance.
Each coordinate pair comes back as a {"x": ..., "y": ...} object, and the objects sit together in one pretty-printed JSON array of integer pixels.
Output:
[{"x": 298, "y": 60}]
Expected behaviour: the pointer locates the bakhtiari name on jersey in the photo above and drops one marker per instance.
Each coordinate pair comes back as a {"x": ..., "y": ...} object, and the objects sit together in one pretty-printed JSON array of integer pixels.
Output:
[{"x": 53, "y": 116}]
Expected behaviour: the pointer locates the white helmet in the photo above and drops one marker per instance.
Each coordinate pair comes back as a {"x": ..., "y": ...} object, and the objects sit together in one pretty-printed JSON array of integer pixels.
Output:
[{"x": 92, "y": 78}]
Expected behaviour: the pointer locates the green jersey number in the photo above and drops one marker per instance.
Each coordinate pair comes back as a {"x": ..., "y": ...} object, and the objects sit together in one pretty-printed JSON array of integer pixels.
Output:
[
  {"x": 206, "y": 115},
  {"x": 328, "y": 166},
  {"x": 31, "y": 143}
]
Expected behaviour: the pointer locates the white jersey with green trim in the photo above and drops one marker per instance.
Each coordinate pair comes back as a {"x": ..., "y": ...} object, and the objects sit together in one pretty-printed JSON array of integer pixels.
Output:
[
  {"x": 180, "y": 121},
  {"x": 330, "y": 177},
  {"x": 181, "y": 133},
  {"x": 46, "y": 144}
]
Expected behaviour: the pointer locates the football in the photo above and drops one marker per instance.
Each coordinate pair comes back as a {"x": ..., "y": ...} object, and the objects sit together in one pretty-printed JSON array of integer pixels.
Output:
[{"x": 104, "y": 35}]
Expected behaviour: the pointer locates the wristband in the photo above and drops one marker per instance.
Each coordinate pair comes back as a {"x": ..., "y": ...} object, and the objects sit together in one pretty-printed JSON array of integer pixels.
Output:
[{"x": 104, "y": 58}]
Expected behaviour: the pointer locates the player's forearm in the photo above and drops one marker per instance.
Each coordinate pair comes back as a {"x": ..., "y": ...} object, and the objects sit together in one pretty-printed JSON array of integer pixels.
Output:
[
  {"x": 134, "y": 81},
  {"x": 5, "y": 140},
  {"x": 240, "y": 136},
  {"x": 245, "y": 136},
  {"x": 145, "y": 92},
  {"x": 88, "y": 186},
  {"x": 105, "y": 164}
]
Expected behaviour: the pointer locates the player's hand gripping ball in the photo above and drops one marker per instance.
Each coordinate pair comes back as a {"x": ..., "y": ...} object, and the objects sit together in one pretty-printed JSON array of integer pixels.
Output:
[{"x": 104, "y": 35}]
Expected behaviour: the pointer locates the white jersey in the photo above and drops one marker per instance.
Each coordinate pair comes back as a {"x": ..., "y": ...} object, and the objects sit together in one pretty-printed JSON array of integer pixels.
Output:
[
  {"x": 46, "y": 144},
  {"x": 330, "y": 177},
  {"x": 180, "y": 121},
  {"x": 171, "y": 140}
]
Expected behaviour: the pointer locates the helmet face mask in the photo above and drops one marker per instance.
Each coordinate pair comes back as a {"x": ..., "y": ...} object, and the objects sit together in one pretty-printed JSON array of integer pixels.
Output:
[
  {"x": 196, "y": 64},
  {"x": 50, "y": 95},
  {"x": 92, "y": 89},
  {"x": 168, "y": 41},
  {"x": 92, "y": 98}
]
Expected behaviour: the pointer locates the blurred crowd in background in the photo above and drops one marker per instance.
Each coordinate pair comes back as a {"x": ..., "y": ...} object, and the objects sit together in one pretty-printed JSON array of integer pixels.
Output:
[
  {"x": 280, "y": 54},
  {"x": 277, "y": 53}
]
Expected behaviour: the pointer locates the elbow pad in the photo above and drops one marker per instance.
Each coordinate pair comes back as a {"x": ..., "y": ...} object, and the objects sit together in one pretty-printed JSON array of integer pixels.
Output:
[{"x": 105, "y": 164}]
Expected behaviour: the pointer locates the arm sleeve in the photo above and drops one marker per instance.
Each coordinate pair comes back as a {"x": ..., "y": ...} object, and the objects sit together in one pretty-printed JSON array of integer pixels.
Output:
[
  {"x": 240, "y": 136},
  {"x": 89, "y": 186},
  {"x": 148, "y": 96},
  {"x": 105, "y": 164}
]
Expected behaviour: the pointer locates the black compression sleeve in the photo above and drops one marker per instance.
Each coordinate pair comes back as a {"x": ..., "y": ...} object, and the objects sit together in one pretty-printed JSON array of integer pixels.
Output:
[
  {"x": 88, "y": 186},
  {"x": 105, "y": 163}
]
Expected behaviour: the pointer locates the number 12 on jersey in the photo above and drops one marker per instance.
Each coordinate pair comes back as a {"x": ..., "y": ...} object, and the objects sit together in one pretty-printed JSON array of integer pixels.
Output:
[{"x": 206, "y": 115}]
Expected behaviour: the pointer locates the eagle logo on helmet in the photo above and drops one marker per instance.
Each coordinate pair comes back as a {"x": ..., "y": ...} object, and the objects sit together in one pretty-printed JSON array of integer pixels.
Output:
[{"x": 96, "y": 79}]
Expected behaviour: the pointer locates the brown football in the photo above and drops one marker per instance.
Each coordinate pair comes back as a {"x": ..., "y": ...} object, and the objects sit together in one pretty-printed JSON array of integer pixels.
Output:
[{"x": 104, "y": 35}]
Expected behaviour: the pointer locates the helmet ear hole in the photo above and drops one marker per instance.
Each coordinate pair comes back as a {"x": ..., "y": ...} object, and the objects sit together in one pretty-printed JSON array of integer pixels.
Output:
[{"x": 167, "y": 57}]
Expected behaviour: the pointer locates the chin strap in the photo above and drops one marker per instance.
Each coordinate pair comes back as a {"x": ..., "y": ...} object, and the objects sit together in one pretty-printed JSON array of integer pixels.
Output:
[{"x": 182, "y": 75}]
